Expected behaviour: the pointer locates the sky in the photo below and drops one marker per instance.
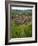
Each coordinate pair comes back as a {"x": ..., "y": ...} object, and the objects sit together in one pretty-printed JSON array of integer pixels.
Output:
[{"x": 21, "y": 8}]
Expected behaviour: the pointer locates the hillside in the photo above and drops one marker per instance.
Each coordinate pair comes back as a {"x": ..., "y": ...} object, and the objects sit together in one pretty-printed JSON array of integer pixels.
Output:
[{"x": 21, "y": 12}]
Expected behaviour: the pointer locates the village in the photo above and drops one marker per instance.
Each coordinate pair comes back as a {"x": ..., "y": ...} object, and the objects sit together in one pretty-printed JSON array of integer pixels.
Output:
[{"x": 22, "y": 19}]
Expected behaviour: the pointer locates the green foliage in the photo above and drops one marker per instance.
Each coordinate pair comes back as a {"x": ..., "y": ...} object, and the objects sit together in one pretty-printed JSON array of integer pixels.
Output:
[{"x": 19, "y": 31}]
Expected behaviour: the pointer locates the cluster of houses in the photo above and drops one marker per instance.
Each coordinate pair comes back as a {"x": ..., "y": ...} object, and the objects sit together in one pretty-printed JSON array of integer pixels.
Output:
[{"x": 22, "y": 19}]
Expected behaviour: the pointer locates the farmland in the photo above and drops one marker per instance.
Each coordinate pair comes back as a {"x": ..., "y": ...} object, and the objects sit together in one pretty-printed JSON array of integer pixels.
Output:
[{"x": 21, "y": 23}]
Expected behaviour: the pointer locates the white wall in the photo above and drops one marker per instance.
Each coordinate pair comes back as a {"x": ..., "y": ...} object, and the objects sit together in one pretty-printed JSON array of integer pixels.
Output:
[
  {"x": 2, "y": 24},
  {"x": 37, "y": 22}
]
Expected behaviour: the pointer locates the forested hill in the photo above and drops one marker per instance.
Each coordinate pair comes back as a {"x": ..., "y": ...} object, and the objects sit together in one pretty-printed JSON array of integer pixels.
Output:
[{"x": 21, "y": 12}]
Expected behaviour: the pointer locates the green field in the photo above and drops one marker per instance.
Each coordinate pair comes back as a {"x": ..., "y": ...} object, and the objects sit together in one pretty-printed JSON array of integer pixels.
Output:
[{"x": 20, "y": 31}]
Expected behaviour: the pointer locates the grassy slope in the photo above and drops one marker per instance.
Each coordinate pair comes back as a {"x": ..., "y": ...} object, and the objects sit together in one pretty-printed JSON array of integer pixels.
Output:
[{"x": 20, "y": 31}]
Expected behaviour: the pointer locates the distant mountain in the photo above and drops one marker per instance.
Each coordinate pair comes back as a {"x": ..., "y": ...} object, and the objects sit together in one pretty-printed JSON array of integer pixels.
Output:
[{"x": 22, "y": 10}]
